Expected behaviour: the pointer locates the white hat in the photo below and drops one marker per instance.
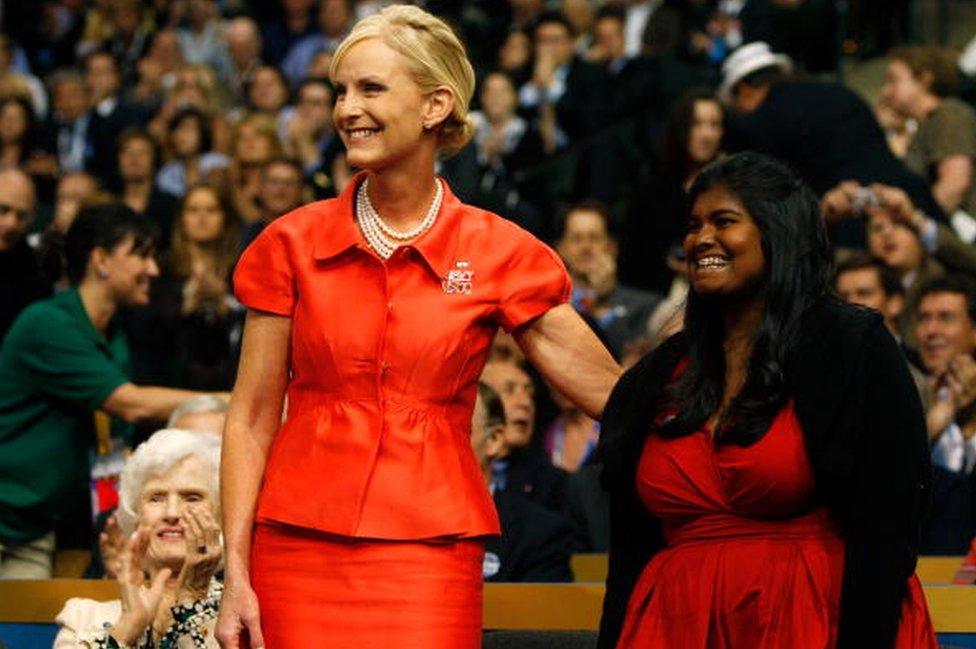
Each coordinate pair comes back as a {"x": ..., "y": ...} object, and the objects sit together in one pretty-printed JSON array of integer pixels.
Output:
[{"x": 746, "y": 60}]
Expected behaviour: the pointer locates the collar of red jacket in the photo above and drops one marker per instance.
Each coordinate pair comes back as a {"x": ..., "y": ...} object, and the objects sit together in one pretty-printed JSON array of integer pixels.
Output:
[{"x": 436, "y": 246}]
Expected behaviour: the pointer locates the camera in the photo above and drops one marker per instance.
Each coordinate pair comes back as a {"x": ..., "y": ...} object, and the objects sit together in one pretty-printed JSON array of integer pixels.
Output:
[{"x": 864, "y": 199}]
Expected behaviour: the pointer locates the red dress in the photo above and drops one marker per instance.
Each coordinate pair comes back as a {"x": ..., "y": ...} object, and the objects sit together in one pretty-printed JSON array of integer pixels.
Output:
[{"x": 752, "y": 561}]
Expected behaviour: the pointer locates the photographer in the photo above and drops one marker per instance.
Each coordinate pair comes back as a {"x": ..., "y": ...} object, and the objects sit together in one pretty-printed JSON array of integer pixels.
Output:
[{"x": 916, "y": 246}]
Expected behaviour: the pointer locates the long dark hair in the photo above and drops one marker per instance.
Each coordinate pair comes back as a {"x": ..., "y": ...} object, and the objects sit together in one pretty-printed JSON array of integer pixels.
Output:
[
  {"x": 677, "y": 132},
  {"x": 796, "y": 249}
]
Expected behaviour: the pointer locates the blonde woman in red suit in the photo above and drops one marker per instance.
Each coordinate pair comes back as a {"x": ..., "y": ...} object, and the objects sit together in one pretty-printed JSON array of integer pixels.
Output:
[{"x": 359, "y": 521}]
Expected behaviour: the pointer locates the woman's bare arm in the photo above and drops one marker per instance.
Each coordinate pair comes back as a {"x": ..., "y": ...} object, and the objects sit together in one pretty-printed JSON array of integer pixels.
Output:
[
  {"x": 571, "y": 358},
  {"x": 252, "y": 421}
]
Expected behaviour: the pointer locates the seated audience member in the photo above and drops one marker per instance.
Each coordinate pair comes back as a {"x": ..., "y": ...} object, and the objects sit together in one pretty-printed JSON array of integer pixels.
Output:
[
  {"x": 694, "y": 135},
  {"x": 335, "y": 17},
  {"x": 919, "y": 85},
  {"x": 168, "y": 510},
  {"x": 267, "y": 91},
  {"x": 590, "y": 252},
  {"x": 194, "y": 86},
  {"x": 244, "y": 47},
  {"x": 190, "y": 145},
  {"x": 191, "y": 304},
  {"x": 499, "y": 171},
  {"x": 21, "y": 278},
  {"x": 63, "y": 359},
  {"x": 904, "y": 238},
  {"x": 139, "y": 158},
  {"x": 310, "y": 136},
  {"x": 32, "y": 87},
  {"x": 295, "y": 22},
  {"x": 867, "y": 281},
  {"x": 203, "y": 39},
  {"x": 520, "y": 468},
  {"x": 75, "y": 190},
  {"x": 255, "y": 142},
  {"x": 282, "y": 190},
  {"x": 535, "y": 543},
  {"x": 565, "y": 93},
  {"x": 20, "y": 139},
  {"x": 824, "y": 130},
  {"x": 109, "y": 116},
  {"x": 156, "y": 71},
  {"x": 515, "y": 56},
  {"x": 65, "y": 134},
  {"x": 203, "y": 414},
  {"x": 946, "y": 331}
]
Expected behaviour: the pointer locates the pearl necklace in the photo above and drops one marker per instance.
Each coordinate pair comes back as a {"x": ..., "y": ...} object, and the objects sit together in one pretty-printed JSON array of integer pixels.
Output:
[{"x": 380, "y": 236}]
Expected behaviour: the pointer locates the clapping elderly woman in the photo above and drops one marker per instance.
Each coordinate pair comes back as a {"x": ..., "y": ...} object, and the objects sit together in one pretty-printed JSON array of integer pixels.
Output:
[{"x": 168, "y": 507}]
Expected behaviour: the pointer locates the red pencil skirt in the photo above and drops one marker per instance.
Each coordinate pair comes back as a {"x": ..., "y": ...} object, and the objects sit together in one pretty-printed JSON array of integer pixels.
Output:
[{"x": 318, "y": 590}]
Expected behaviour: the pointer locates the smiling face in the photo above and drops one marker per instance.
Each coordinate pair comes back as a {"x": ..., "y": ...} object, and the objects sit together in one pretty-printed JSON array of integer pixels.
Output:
[
  {"x": 944, "y": 330},
  {"x": 380, "y": 109},
  {"x": 723, "y": 246},
  {"x": 162, "y": 508},
  {"x": 127, "y": 271}
]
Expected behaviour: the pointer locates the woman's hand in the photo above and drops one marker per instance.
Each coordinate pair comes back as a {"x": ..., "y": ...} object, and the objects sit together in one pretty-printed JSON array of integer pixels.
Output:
[
  {"x": 112, "y": 543},
  {"x": 203, "y": 553},
  {"x": 239, "y": 617},
  {"x": 139, "y": 601}
]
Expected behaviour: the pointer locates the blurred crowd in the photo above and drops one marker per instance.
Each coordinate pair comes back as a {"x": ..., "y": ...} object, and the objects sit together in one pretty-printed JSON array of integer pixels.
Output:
[{"x": 211, "y": 118}]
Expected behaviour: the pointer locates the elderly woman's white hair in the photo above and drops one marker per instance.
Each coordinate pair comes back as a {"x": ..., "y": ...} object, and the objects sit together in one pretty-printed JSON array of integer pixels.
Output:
[
  {"x": 197, "y": 404},
  {"x": 156, "y": 457}
]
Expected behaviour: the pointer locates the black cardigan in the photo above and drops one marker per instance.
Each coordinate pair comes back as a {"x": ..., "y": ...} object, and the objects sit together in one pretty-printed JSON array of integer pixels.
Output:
[{"x": 864, "y": 430}]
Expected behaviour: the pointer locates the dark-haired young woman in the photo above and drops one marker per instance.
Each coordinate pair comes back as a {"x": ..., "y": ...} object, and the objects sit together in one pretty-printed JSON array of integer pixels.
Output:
[
  {"x": 693, "y": 137},
  {"x": 768, "y": 465},
  {"x": 62, "y": 359}
]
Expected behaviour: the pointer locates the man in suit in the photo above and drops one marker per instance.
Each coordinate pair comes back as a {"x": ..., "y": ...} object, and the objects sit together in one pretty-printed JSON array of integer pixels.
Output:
[
  {"x": 109, "y": 115},
  {"x": 565, "y": 93},
  {"x": 590, "y": 252},
  {"x": 945, "y": 322},
  {"x": 535, "y": 543}
]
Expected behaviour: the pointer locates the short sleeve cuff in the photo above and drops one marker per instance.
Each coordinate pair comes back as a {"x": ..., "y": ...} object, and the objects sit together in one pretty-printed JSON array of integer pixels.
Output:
[
  {"x": 110, "y": 386},
  {"x": 544, "y": 284},
  {"x": 263, "y": 279}
]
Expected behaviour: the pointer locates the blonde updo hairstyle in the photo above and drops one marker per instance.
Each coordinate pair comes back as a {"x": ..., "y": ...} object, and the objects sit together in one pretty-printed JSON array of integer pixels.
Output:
[{"x": 436, "y": 58}]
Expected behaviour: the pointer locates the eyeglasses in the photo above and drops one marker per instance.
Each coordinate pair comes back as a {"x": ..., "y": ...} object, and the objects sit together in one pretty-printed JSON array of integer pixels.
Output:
[{"x": 21, "y": 215}]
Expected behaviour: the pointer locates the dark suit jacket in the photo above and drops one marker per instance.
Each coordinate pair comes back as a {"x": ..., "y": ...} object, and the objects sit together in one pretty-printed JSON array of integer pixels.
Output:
[
  {"x": 864, "y": 429},
  {"x": 579, "y": 109},
  {"x": 537, "y": 480},
  {"x": 535, "y": 544},
  {"x": 828, "y": 134},
  {"x": 103, "y": 134}
]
